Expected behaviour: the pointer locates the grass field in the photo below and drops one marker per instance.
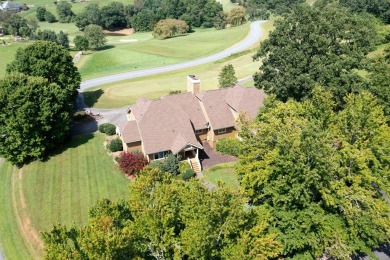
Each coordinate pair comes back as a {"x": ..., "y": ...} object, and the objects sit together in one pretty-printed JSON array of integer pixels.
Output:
[
  {"x": 124, "y": 93},
  {"x": 148, "y": 52},
  {"x": 7, "y": 54},
  {"x": 60, "y": 190},
  {"x": 222, "y": 173}
]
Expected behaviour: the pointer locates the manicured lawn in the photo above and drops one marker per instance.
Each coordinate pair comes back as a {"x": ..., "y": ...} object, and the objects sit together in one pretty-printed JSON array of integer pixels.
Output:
[
  {"x": 222, "y": 173},
  {"x": 60, "y": 190},
  {"x": 148, "y": 52},
  {"x": 7, "y": 54},
  {"x": 124, "y": 93}
]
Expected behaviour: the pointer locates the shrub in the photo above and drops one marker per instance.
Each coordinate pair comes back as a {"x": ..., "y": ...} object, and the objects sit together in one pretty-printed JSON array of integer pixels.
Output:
[
  {"x": 81, "y": 116},
  {"x": 170, "y": 164},
  {"x": 110, "y": 129},
  {"x": 107, "y": 128},
  {"x": 229, "y": 146},
  {"x": 183, "y": 166},
  {"x": 131, "y": 163},
  {"x": 170, "y": 27},
  {"x": 49, "y": 17},
  {"x": 187, "y": 174},
  {"x": 115, "y": 145}
]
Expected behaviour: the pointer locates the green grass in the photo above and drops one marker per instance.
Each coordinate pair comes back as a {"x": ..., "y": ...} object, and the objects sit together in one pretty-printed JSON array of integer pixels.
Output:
[
  {"x": 7, "y": 54},
  {"x": 222, "y": 173},
  {"x": 60, "y": 190},
  {"x": 148, "y": 52},
  {"x": 126, "y": 92},
  {"x": 227, "y": 5}
]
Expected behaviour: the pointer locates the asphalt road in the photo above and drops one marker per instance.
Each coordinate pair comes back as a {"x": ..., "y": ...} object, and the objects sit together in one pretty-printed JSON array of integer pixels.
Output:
[{"x": 253, "y": 37}]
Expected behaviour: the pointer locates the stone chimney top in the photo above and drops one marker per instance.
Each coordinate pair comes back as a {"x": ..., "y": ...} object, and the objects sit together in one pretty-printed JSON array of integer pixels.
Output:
[{"x": 193, "y": 84}]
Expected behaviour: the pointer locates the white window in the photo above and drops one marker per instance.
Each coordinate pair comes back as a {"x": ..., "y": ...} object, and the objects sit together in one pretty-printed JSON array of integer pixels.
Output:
[
  {"x": 221, "y": 131},
  {"x": 199, "y": 132}
]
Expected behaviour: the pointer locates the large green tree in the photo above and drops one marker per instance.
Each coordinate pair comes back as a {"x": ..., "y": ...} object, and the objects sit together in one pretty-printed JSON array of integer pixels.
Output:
[
  {"x": 95, "y": 36},
  {"x": 64, "y": 11},
  {"x": 40, "y": 120},
  {"x": 379, "y": 8},
  {"x": 50, "y": 61},
  {"x": 312, "y": 46},
  {"x": 91, "y": 14},
  {"x": 33, "y": 117},
  {"x": 167, "y": 218},
  {"x": 321, "y": 174}
]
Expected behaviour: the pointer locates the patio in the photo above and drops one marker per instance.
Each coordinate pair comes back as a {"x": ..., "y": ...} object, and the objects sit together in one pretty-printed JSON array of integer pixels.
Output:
[{"x": 208, "y": 157}]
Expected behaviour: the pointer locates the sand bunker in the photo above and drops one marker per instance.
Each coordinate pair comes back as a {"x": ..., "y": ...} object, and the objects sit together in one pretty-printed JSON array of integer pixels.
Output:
[{"x": 129, "y": 40}]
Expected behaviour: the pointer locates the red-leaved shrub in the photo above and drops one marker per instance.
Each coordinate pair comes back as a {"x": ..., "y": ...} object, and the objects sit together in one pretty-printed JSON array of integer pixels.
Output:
[{"x": 131, "y": 163}]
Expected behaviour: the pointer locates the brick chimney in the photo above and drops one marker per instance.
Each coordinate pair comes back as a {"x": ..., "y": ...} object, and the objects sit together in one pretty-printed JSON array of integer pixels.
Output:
[{"x": 193, "y": 84}]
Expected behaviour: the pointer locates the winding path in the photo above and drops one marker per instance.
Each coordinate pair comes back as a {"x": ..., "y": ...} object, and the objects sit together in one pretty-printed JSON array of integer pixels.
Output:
[{"x": 253, "y": 36}]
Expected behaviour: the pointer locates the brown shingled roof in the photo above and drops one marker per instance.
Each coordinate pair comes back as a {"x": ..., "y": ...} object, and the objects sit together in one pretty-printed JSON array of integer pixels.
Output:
[
  {"x": 130, "y": 132},
  {"x": 168, "y": 124},
  {"x": 188, "y": 103},
  {"x": 163, "y": 127},
  {"x": 247, "y": 100},
  {"x": 218, "y": 111}
]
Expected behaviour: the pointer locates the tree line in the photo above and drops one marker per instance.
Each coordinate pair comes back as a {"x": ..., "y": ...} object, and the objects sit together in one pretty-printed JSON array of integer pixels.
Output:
[{"x": 144, "y": 15}]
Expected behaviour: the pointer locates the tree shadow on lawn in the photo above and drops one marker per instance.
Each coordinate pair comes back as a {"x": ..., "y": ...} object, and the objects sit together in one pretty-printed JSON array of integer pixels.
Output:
[
  {"x": 92, "y": 97},
  {"x": 105, "y": 47},
  {"x": 70, "y": 142}
]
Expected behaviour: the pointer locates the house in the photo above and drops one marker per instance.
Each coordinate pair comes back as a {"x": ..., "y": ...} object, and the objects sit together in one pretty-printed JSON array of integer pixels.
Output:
[
  {"x": 11, "y": 6},
  {"x": 180, "y": 123}
]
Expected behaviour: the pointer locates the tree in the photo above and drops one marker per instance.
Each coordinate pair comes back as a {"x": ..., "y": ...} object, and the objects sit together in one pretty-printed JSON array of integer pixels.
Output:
[
  {"x": 81, "y": 43},
  {"x": 106, "y": 235},
  {"x": 379, "y": 84},
  {"x": 162, "y": 220},
  {"x": 144, "y": 20},
  {"x": 52, "y": 62},
  {"x": 91, "y": 14},
  {"x": 64, "y": 11},
  {"x": 46, "y": 35},
  {"x": 379, "y": 8},
  {"x": 113, "y": 16},
  {"x": 278, "y": 7},
  {"x": 62, "y": 39},
  {"x": 227, "y": 76},
  {"x": 131, "y": 163},
  {"x": 321, "y": 174},
  {"x": 169, "y": 165},
  {"x": 17, "y": 26},
  {"x": 309, "y": 47},
  {"x": 210, "y": 11},
  {"x": 236, "y": 16},
  {"x": 34, "y": 117},
  {"x": 219, "y": 21},
  {"x": 95, "y": 36},
  {"x": 41, "y": 11},
  {"x": 49, "y": 17},
  {"x": 387, "y": 55},
  {"x": 168, "y": 28}
]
